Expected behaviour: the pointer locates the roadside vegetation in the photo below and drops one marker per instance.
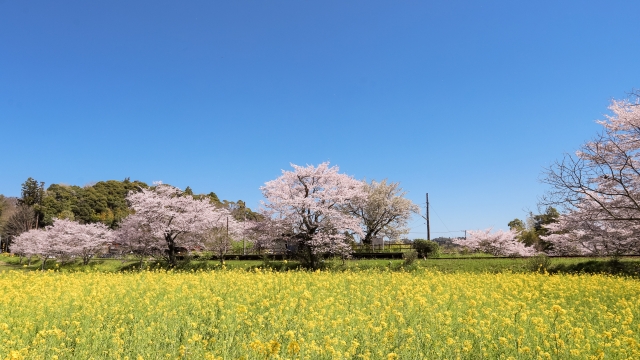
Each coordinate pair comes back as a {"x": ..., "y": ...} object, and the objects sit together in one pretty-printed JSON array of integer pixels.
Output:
[{"x": 447, "y": 263}]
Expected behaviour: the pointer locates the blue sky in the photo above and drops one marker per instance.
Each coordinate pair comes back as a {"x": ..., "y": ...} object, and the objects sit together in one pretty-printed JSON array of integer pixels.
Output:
[{"x": 466, "y": 100}]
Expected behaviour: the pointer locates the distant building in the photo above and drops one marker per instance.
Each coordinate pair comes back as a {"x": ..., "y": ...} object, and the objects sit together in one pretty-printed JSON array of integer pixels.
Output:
[{"x": 377, "y": 241}]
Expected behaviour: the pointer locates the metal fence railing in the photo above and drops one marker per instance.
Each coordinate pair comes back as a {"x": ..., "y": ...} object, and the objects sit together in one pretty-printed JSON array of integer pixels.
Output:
[{"x": 374, "y": 248}]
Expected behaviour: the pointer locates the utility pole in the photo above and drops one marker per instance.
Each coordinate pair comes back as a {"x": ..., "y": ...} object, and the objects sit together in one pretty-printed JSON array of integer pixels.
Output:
[{"x": 427, "y": 218}]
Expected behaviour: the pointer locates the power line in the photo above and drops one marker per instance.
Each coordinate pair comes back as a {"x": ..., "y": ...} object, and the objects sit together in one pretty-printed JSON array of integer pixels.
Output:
[{"x": 434, "y": 210}]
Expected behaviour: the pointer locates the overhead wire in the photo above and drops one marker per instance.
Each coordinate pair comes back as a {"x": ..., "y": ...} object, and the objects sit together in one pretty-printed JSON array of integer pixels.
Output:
[{"x": 439, "y": 218}]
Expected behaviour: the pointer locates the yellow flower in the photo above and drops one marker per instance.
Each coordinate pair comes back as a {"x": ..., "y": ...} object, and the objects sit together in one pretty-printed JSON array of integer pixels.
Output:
[
  {"x": 558, "y": 310},
  {"x": 274, "y": 347},
  {"x": 293, "y": 348}
]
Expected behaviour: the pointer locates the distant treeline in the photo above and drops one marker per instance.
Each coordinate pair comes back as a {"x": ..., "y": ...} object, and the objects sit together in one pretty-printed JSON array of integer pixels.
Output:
[{"x": 103, "y": 202}]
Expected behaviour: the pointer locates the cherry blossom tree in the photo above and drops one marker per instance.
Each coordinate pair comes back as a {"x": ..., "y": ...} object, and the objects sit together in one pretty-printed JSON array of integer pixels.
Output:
[
  {"x": 135, "y": 237},
  {"x": 30, "y": 243},
  {"x": 599, "y": 186},
  {"x": 64, "y": 238},
  {"x": 79, "y": 240},
  {"x": 219, "y": 231},
  {"x": 312, "y": 202},
  {"x": 578, "y": 233},
  {"x": 384, "y": 212},
  {"x": 169, "y": 214},
  {"x": 265, "y": 234},
  {"x": 499, "y": 243}
]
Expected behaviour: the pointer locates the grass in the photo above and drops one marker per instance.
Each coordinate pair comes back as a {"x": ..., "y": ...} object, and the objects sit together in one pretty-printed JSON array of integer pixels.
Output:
[{"x": 628, "y": 266}]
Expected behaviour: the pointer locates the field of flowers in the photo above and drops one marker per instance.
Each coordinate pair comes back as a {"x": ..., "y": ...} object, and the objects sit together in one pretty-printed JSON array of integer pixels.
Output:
[{"x": 316, "y": 315}]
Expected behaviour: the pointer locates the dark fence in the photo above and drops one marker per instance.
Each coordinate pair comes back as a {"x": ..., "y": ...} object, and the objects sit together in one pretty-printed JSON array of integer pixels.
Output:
[
  {"x": 377, "y": 255},
  {"x": 377, "y": 248}
]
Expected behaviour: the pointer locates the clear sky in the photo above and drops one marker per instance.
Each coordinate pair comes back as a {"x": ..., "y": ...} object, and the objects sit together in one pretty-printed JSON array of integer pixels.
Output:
[{"x": 465, "y": 100}]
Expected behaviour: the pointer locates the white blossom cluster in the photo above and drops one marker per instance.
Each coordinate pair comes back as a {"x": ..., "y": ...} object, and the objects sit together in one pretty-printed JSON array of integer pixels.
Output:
[
  {"x": 65, "y": 238},
  {"x": 499, "y": 243},
  {"x": 601, "y": 185}
]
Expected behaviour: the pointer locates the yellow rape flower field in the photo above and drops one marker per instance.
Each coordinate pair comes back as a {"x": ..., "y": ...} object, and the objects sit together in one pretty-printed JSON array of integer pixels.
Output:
[{"x": 317, "y": 315}]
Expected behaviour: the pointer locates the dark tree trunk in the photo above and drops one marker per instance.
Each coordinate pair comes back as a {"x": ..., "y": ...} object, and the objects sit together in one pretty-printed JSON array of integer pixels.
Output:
[
  {"x": 367, "y": 239},
  {"x": 313, "y": 262},
  {"x": 171, "y": 245}
]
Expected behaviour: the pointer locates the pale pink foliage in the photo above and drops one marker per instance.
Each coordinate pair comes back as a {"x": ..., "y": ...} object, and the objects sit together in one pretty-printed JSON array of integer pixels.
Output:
[
  {"x": 165, "y": 213},
  {"x": 219, "y": 232},
  {"x": 29, "y": 243},
  {"x": 134, "y": 236},
  {"x": 577, "y": 234},
  {"x": 601, "y": 186},
  {"x": 266, "y": 234},
  {"x": 385, "y": 212},
  {"x": 309, "y": 203},
  {"x": 65, "y": 238},
  {"x": 81, "y": 240},
  {"x": 499, "y": 243}
]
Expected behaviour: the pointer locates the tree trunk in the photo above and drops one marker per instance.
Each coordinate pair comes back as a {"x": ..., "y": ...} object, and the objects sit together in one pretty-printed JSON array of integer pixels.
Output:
[
  {"x": 367, "y": 239},
  {"x": 171, "y": 245},
  {"x": 313, "y": 259},
  {"x": 44, "y": 261}
]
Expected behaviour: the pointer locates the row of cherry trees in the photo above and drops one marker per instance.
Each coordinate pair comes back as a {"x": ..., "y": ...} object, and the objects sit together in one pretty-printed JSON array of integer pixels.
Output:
[
  {"x": 498, "y": 243},
  {"x": 315, "y": 210}
]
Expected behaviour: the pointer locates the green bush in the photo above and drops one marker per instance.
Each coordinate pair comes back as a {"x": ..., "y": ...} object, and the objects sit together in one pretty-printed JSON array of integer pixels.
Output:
[
  {"x": 539, "y": 263},
  {"x": 410, "y": 257},
  {"x": 426, "y": 248}
]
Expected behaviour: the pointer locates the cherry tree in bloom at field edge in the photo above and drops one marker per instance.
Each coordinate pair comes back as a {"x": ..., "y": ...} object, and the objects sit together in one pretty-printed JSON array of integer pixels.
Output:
[
  {"x": 311, "y": 204},
  {"x": 134, "y": 237},
  {"x": 34, "y": 243},
  {"x": 81, "y": 240},
  {"x": 385, "y": 212},
  {"x": 169, "y": 215},
  {"x": 599, "y": 188},
  {"x": 64, "y": 238},
  {"x": 499, "y": 243},
  {"x": 264, "y": 234},
  {"x": 580, "y": 233},
  {"x": 219, "y": 231}
]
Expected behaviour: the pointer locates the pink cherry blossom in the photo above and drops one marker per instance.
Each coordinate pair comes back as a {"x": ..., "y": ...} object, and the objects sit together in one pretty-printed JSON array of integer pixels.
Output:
[
  {"x": 168, "y": 215},
  {"x": 309, "y": 204},
  {"x": 499, "y": 243},
  {"x": 600, "y": 189},
  {"x": 65, "y": 238}
]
